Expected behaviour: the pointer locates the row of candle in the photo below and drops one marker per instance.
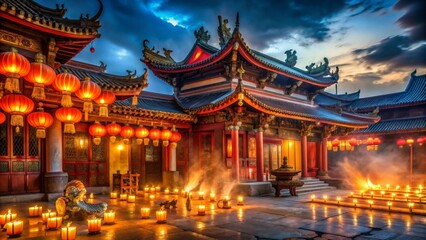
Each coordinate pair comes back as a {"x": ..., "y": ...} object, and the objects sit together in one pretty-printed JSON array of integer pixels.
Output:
[
  {"x": 396, "y": 188},
  {"x": 392, "y": 195},
  {"x": 355, "y": 202}
]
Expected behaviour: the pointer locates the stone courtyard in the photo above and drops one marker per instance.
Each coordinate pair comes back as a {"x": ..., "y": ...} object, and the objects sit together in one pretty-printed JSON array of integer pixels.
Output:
[{"x": 264, "y": 217}]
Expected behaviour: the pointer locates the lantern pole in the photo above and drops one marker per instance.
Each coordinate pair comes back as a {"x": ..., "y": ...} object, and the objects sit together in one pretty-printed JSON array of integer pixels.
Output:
[{"x": 411, "y": 163}]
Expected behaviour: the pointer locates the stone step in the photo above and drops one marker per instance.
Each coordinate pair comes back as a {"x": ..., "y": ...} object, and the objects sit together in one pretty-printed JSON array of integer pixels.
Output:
[
  {"x": 315, "y": 185},
  {"x": 304, "y": 190}
]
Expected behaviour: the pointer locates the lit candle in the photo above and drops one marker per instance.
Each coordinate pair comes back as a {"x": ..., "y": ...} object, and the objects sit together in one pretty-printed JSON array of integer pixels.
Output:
[
  {"x": 420, "y": 188},
  {"x": 397, "y": 187},
  {"x": 355, "y": 202},
  {"x": 152, "y": 189},
  {"x": 407, "y": 188},
  {"x": 190, "y": 195},
  {"x": 382, "y": 193},
  {"x": 201, "y": 210},
  {"x": 372, "y": 194},
  {"x": 45, "y": 216},
  {"x": 94, "y": 225},
  {"x": 313, "y": 197},
  {"x": 161, "y": 216},
  {"x": 184, "y": 194},
  {"x": 362, "y": 193},
  {"x": 240, "y": 201},
  {"x": 338, "y": 200},
  {"x": 212, "y": 197},
  {"x": 123, "y": 197},
  {"x": 14, "y": 228},
  {"x": 68, "y": 232},
  {"x": 410, "y": 206},
  {"x": 146, "y": 189},
  {"x": 157, "y": 188},
  {"x": 151, "y": 197},
  {"x": 54, "y": 222},
  {"x": 389, "y": 205},
  {"x": 131, "y": 198},
  {"x": 200, "y": 195},
  {"x": 167, "y": 191},
  {"x": 420, "y": 198},
  {"x": 393, "y": 196},
  {"x": 387, "y": 186},
  {"x": 91, "y": 196},
  {"x": 109, "y": 217},
  {"x": 8, "y": 217},
  {"x": 145, "y": 211},
  {"x": 406, "y": 196},
  {"x": 35, "y": 211},
  {"x": 352, "y": 194},
  {"x": 176, "y": 191},
  {"x": 113, "y": 195},
  {"x": 226, "y": 203},
  {"x": 325, "y": 197},
  {"x": 371, "y": 203}
]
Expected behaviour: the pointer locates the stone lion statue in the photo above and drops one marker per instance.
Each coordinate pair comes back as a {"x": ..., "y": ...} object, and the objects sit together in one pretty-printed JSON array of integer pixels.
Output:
[{"x": 72, "y": 204}]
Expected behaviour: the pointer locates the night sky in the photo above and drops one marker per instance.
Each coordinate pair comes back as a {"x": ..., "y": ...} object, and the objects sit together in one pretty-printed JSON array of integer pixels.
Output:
[{"x": 376, "y": 44}]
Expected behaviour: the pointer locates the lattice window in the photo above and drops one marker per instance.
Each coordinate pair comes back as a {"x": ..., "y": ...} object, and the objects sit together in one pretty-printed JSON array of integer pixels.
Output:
[
  {"x": 69, "y": 168},
  {"x": 18, "y": 143},
  {"x": 76, "y": 147},
  {"x": 3, "y": 139},
  {"x": 82, "y": 178},
  {"x": 33, "y": 166},
  {"x": 33, "y": 142},
  {"x": 4, "y": 166},
  {"x": 98, "y": 151},
  {"x": 18, "y": 166},
  {"x": 82, "y": 168}
]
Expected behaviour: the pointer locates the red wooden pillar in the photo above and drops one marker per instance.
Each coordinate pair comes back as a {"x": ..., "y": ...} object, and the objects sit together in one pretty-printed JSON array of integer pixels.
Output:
[
  {"x": 259, "y": 155},
  {"x": 304, "y": 147},
  {"x": 324, "y": 164},
  {"x": 235, "y": 154}
]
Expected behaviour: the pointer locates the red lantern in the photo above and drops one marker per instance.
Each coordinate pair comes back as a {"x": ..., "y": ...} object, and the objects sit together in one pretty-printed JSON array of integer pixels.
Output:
[
  {"x": 410, "y": 141},
  {"x": 2, "y": 118},
  {"x": 66, "y": 83},
  {"x": 113, "y": 129},
  {"x": 107, "y": 97},
  {"x": 335, "y": 144},
  {"x": 420, "y": 141},
  {"x": 401, "y": 142},
  {"x": 165, "y": 136},
  {"x": 176, "y": 137},
  {"x": 127, "y": 132},
  {"x": 370, "y": 143},
  {"x": 97, "y": 130},
  {"x": 376, "y": 143},
  {"x": 41, "y": 75},
  {"x": 69, "y": 116},
  {"x": 40, "y": 120},
  {"x": 17, "y": 105},
  {"x": 141, "y": 134},
  {"x": 14, "y": 66},
  {"x": 88, "y": 92},
  {"x": 353, "y": 142},
  {"x": 154, "y": 135}
]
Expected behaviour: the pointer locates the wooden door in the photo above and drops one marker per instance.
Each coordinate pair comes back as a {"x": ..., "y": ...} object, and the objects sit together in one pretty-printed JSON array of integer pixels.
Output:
[
  {"x": 153, "y": 164},
  {"x": 206, "y": 153}
]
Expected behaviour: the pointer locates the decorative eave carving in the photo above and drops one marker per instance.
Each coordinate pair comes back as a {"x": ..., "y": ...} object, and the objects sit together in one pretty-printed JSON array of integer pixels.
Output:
[
  {"x": 150, "y": 55},
  {"x": 267, "y": 77},
  {"x": 223, "y": 32},
  {"x": 306, "y": 128},
  {"x": 153, "y": 114},
  {"x": 291, "y": 58},
  {"x": 201, "y": 35},
  {"x": 328, "y": 130},
  {"x": 290, "y": 89}
]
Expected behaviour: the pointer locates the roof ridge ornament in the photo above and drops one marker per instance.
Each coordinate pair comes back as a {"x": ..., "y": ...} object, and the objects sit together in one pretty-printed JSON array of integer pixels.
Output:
[
  {"x": 291, "y": 59},
  {"x": 320, "y": 68},
  {"x": 413, "y": 74},
  {"x": 223, "y": 31},
  {"x": 201, "y": 35}
]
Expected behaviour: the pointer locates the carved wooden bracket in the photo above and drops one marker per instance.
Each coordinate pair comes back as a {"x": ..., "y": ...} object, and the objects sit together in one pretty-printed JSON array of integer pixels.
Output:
[
  {"x": 306, "y": 128},
  {"x": 328, "y": 130}
]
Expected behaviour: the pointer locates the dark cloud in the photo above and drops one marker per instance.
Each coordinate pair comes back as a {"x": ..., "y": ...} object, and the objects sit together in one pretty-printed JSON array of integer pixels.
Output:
[
  {"x": 367, "y": 6},
  {"x": 369, "y": 84},
  {"x": 413, "y": 19}
]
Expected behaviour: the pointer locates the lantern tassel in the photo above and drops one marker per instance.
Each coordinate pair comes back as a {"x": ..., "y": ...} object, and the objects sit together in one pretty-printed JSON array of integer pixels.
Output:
[
  {"x": 12, "y": 84},
  {"x": 134, "y": 100},
  {"x": 17, "y": 120},
  {"x": 87, "y": 108},
  {"x": 145, "y": 141},
  {"x": 139, "y": 141},
  {"x": 66, "y": 99},
  {"x": 173, "y": 145},
  {"x": 69, "y": 128},
  {"x": 103, "y": 110},
  {"x": 112, "y": 138},
  {"x": 41, "y": 133},
  {"x": 97, "y": 140},
  {"x": 38, "y": 92},
  {"x": 126, "y": 141}
]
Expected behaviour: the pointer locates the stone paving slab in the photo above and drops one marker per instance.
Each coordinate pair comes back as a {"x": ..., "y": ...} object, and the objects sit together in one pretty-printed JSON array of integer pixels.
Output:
[{"x": 344, "y": 230}]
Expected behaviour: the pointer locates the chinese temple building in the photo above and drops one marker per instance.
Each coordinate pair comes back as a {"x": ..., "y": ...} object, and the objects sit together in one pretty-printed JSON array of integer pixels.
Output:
[{"x": 232, "y": 106}]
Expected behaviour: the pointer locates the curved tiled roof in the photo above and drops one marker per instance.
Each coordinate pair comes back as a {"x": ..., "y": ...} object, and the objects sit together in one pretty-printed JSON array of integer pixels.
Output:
[
  {"x": 204, "y": 99},
  {"x": 415, "y": 93},
  {"x": 105, "y": 80},
  {"x": 395, "y": 125},
  {"x": 329, "y": 99},
  {"x": 34, "y": 13}
]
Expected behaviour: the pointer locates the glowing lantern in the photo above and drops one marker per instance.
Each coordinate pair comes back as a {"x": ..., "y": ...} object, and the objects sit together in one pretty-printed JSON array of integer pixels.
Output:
[
  {"x": 353, "y": 142},
  {"x": 410, "y": 141},
  {"x": 88, "y": 92},
  {"x": 329, "y": 146},
  {"x": 97, "y": 130},
  {"x": 41, "y": 75},
  {"x": 2, "y": 117},
  {"x": 69, "y": 116},
  {"x": 66, "y": 83},
  {"x": 127, "y": 132},
  {"x": 113, "y": 129},
  {"x": 176, "y": 137},
  {"x": 40, "y": 120},
  {"x": 17, "y": 105},
  {"x": 14, "y": 66},
  {"x": 335, "y": 144},
  {"x": 420, "y": 141},
  {"x": 401, "y": 142},
  {"x": 370, "y": 143},
  {"x": 165, "y": 136},
  {"x": 376, "y": 143},
  {"x": 154, "y": 135},
  {"x": 141, "y": 134},
  {"x": 106, "y": 98}
]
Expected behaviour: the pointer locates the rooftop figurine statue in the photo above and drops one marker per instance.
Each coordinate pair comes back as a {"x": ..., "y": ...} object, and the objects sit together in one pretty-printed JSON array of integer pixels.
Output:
[{"x": 72, "y": 204}]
